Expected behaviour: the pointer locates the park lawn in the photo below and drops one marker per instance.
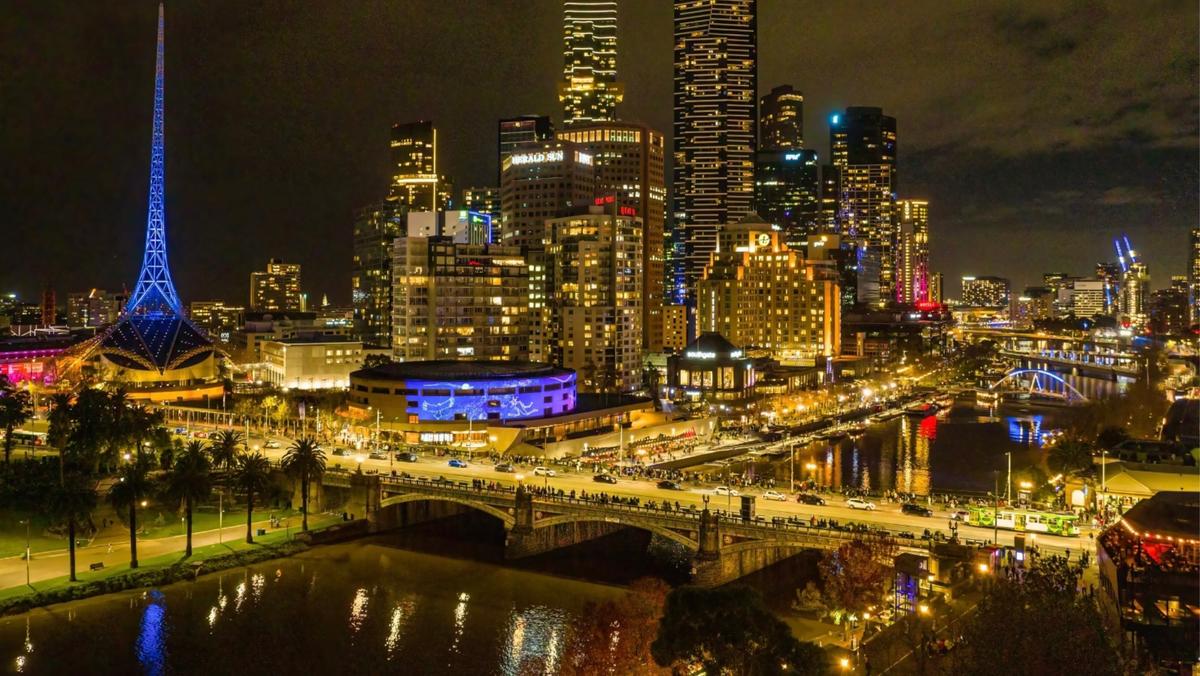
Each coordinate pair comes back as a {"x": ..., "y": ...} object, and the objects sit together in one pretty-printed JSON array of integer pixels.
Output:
[
  {"x": 208, "y": 519},
  {"x": 12, "y": 536},
  {"x": 279, "y": 536}
]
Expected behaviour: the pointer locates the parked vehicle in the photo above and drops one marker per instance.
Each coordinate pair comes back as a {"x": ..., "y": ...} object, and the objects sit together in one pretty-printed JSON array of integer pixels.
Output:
[
  {"x": 859, "y": 503},
  {"x": 605, "y": 479},
  {"x": 670, "y": 485},
  {"x": 725, "y": 490},
  {"x": 271, "y": 443},
  {"x": 774, "y": 495},
  {"x": 505, "y": 467},
  {"x": 377, "y": 455},
  {"x": 406, "y": 457}
]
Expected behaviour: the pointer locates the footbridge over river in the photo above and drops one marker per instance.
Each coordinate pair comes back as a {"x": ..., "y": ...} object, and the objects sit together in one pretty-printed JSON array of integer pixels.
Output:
[{"x": 722, "y": 549}]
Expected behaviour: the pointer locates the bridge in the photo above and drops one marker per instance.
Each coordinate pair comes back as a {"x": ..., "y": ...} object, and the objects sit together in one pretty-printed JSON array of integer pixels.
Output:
[
  {"x": 722, "y": 548},
  {"x": 1033, "y": 383},
  {"x": 1090, "y": 356}
]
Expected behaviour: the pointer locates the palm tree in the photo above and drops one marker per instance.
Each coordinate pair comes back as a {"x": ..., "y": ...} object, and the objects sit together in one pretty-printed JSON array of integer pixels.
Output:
[
  {"x": 224, "y": 451},
  {"x": 1070, "y": 455},
  {"x": 252, "y": 474},
  {"x": 61, "y": 418},
  {"x": 14, "y": 411},
  {"x": 189, "y": 481},
  {"x": 130, "y": 490},
  {"x": 72, "y": 500},
  {"x": 306, "y": 461}
]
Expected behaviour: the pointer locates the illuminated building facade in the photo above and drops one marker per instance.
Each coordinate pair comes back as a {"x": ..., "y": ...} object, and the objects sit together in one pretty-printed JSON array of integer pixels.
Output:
[
  {"x": 311, "y": 362},
  {"x": 1135, "y": 294},
  {"x": 1034, "y": 304},
  {"x": 94, "y": 308},
  {"x": 594, "y": 308},
  {"x": 760, "y": 293},
  {"x": 985, "y": 292},
  {"x": 1168, "y": 308},
  {"x": 711, "y": 369},
  {"x": 589, "y": 91},
  {"x": 715, "y": 137},
  {"x": 781, "y": 119},
  {"x": 674, "y": 327},
  {"x": 541, "y": 181},
  {"x": 459, "y": 301},
  {"x": 416, "y": 183},
  {"x": 216, "y": 317},
  {"x": 375, "y": 228},
  {"x": 277, "y": 287},
  {"x": 482, "y": 200},
  {"x": 912, "y": 252},
  {"x": 1194, "y": 276},
  {"x": 629, "y": 167},
  {"x": 517, "y": 131},
  {"x": 787, "y": 192},
  {"x": 1083, "y": 298}
]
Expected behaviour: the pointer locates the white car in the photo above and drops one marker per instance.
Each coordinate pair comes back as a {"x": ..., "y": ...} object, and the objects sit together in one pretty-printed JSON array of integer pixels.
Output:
[
  {"x": 774, "y": 495},
  {"x": 271, "y": 443},
  {"x": 543, "y": 471},
  {"x": 725, "y": 490},
  {"x": 859, "y": 503}
]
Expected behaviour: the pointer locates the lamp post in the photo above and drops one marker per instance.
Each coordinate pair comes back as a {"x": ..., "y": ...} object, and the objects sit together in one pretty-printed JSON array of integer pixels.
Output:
[
  {"x": 1008, "y": 479},
  {"x": 27, "y": 554},
  {"x": 995, "y": 507}
]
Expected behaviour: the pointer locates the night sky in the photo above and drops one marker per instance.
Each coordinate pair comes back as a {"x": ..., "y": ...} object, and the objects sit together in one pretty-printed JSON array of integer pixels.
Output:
[{"x": 1037, "y": 130}]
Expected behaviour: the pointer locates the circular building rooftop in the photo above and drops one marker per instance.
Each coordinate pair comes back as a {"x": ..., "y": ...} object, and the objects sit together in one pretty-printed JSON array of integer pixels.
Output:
[{"x": 445, "y": 369}]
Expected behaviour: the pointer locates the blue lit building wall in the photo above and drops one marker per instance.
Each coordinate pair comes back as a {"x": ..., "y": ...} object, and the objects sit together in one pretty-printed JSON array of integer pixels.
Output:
[{"x": 507, "y": 399}]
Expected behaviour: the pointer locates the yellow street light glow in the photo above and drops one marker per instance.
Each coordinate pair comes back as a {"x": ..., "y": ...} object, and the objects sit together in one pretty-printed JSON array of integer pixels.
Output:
[
  {"x": 983, "y": 568},
  {"x": 924, "y": 609},
  {"x": 845, "y": 662}
]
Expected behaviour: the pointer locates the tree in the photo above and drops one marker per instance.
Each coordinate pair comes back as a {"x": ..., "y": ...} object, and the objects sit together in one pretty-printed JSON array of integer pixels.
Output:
[
  {"x": 73, "y": 501},
  {"x": 126, "y": 495},
  {"x": 305, "y": 461},
  {"x": 614, "y": 637},
  {"x": 373, "y": 360},
  {"x": 1070, "y": 455},
  {"x": 224, "y": 451},
  {"x": 854, "y": 574},
  {"x": 730, "y": 630},
  {"x": 1047, "y": 628},
  {"x": 1111, "y": 436},
  {"x": 189, "y": 481},
  {"x": 252, "y": 474},
  {"x": 14, "y": 411}
]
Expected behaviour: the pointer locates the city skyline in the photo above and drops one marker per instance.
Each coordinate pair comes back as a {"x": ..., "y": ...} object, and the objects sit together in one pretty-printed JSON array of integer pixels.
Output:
[{"x": 296, "y": 196}]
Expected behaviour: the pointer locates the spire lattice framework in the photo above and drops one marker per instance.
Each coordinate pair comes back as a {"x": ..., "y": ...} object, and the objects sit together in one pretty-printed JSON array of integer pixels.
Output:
[{"x": 155, "y": 292}]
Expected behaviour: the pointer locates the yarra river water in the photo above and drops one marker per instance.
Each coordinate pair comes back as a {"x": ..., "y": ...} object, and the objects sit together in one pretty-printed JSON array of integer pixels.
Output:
[{"x": 439, "y": 599}]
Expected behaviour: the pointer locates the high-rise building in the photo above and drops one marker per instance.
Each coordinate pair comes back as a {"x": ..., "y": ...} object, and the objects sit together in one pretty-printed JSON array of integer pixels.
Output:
[
  {"x": 416, "y": 183},
  {"x": 541, "y": 181},
  {"x": 1034, "y": 304},
  {"x": 1083, "y": 298},
  {"x": 1168, "y": 308},
  {"x": 912, "y": 252},
  {"x": 781, "y": 119},
  {"x": 96, "y": 307},
  {"x": 1194, "y": 277},
  {"x": 594, "y": 313},
  {"x": 589, "y": 91},
  {"x": 862, "y": 149},
  {"x": 459, "y": 301},
  {"x": 276, "y": 288},
  {"x": 937, "y": 292},
  {"x": 759, "y": 293},
  {"x": 49, "y": 306},
  {"x": 375, "y": 228},
  {"x": 985, "y": 292},
  {"x": 1112, "y": 275},
  {"x": 674, "y": 327},
  {"x": 482, "y": 200},
  {"x": 787, "y": 192},
  {"x": 1135, "y": 294},
  {"x": 216, "y": 317},
  {"x": 628, "y": 161},
  {"x": 518, "y": 131},
  {"x": 716, "y": 94}
]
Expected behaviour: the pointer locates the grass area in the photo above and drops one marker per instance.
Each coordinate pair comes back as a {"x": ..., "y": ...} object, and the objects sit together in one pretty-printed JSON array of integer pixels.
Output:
[
  {"x": 207, "y": 518},
  {"x": 12, "y": 536},
  {"x": 199, "y": 554}
]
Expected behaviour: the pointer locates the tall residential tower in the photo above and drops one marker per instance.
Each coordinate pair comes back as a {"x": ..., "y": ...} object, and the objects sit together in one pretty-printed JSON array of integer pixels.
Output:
[{"x": 589, "y": 91}]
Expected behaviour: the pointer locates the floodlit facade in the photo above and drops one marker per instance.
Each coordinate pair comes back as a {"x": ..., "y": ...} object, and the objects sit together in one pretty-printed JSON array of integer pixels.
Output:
[
  {"x": 513, "y": 132},
  {"x": 781, "y": 119},
  {"x": 375, "y": 228},
  {"x": 589, "y": 91},
  {"x": 716, "y": 92},
  {"x": 310, "y": 362},
  {"x": 862, "y": 148},
  {"x": 217, "y": 317},
  {"x": 96, "y": 307},
  {"x": 629, "y": 168},
  {"x": 759, "y": 293},
  {"x": 277, "y": 287},
  {"x": 1135, "y": 294},
  {"x": 985, "y": 292},
  {"x": 459, "y": 301},
  {"x": 912, "y": 252}
]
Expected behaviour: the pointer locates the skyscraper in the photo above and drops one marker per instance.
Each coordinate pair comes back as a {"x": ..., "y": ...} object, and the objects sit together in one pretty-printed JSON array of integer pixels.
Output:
[
  {"x": 589, "y": 91},
  {"x": 787, "y": 192},
  {"x": 716, "y": 94},
  {"x": 862, "y": 149},
  {"x": 912, "y": 252},
  {"x": 781, "y": 119},
  {"x": 541, "y": 181},
  {"x": 517, "y": 131},
  {"x": 276, "y": 288},
  {"x": 482, "y": 200},
  {"x": 629, "y": 167},
  {"x": 375, "y": 228},
  {"x": 1194, "y": 276},
  {"x": 416, "y": 183}
]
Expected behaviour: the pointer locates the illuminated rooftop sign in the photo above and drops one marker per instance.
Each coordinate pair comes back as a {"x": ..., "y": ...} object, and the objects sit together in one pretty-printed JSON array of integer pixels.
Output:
[{"x": 538, "y": 158}]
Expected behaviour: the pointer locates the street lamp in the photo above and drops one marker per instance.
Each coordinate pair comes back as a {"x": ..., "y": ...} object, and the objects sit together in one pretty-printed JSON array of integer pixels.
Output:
[
  {"x": 359, "y": 459},
  {"x": 27, "y": 554}
]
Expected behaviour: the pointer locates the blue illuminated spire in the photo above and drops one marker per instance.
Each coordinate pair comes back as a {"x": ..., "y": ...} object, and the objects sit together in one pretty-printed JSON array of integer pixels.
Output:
[{"x": 155, "y": 292}]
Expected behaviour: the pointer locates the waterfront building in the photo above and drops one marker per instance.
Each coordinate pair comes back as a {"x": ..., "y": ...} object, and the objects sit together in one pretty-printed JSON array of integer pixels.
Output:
[
  {"x": 311, "y": 362},
  {"x": 1035, "y": 303},
  {"x": 514, "y": 132},
  {"x": 218, "y": 318},
  {"x": 886, "y": 336},
  {"x": 416, "y": 183},
  {"x": 628, "y": 160},
  {"x": 541, "y": 181},
  {"x": 277, "y": 287},
  {"x": 1168, "y": 308},
  {"x": 992, "y": 292},
  {"x": 375, "y": 228},
  {"x": 781, "y": 119},
  {"x": 711, "y": 369},
  {"x": 589, "y": 91},
  {"x": 1194, "y": 276},
  {"x": 862, "y": 150},
  {"x": 94, "y": 308},
  {"x": 912, "y": 252},
  {"x": 764, "y": 295},
  {"x": 594, "y": 309},
  {"x": 1135, "y": 294},
  {"x": 715, "y": 96},
  {"x": 459, "y": 301}
]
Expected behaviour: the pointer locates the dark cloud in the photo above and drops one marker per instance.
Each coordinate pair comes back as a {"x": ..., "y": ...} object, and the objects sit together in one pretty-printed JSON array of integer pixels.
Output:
[{"x": 1037, "y": 129}]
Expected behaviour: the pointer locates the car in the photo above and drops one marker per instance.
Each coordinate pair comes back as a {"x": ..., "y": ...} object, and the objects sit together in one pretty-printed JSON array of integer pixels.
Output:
[
  {"x": 859, "y": 503},
  {"x": 377, "y": 455},
  {"x": 505, "y": 467},
  {"x": 915, "y": 509},
  {"x": 271, "y": 443},
  {"x": 460, "y": 464},
  {"x": 605, "y": 479},
  {"x": 181, "y": 431},
  {"x": 406, "y": 457},
  {"x": 960, "y": 515},
  {"x": 810, "y": 499},
  {"x": 543, "y": 471},
  {"x": 669, "y": 485},
  {"x": 339, "y": 451},
  {"x": 725, "y": 490},
  {"x": 774, "y": 495}
]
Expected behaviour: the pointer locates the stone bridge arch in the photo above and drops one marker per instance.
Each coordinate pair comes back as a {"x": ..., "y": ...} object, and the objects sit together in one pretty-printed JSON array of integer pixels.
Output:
[
  {"x": 629, "y": 521},
  {"x": 504, "y": 515}
]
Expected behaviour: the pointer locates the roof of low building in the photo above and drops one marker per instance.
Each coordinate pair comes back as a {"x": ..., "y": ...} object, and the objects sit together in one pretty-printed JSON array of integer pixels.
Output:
[
  {"x": 1175, "y": 513},
  {"x": 445, "y": 369}
]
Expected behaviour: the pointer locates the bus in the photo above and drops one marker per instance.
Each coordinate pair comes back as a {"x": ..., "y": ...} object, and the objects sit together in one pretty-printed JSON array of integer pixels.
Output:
[
  {"x": 1025, "y": 520},
  {"x": 24, "y": 438}
]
